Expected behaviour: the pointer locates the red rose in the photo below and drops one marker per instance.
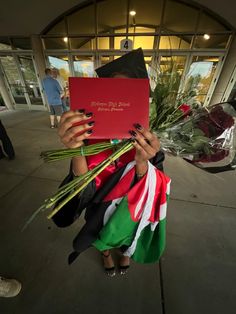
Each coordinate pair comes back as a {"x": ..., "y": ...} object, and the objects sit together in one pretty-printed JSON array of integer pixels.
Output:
[
  {"x": 215, "y": 122},
  {"x": 217, "y": 156},
  {"x": 185, "y": 109}
]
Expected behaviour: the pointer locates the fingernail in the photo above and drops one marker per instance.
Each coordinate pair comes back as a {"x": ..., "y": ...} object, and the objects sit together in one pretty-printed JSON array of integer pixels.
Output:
[
  {"x": 81, "y": 110},
  {"x": 90, "y": 131},
  {"x": 91, "y": 123},
  {"x": 133, "y": 133},
  {"x": 133, "y": 140},
  {"x": 89, "y": 114},
  {"x": 138, "y": 126}
]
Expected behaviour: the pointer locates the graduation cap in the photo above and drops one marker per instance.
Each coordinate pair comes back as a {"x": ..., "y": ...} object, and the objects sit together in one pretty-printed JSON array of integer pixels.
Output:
[{"x": 131, "y": 64}]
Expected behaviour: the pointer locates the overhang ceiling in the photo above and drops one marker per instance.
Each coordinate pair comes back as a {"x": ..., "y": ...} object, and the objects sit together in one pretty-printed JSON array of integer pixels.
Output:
[{"x": 23, "y": 18}]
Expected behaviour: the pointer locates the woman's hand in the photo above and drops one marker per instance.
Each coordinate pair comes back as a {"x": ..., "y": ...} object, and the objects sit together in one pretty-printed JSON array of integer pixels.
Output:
[
  {"x": 68, "y": 132},
  {"x": 146, "y": 144}
]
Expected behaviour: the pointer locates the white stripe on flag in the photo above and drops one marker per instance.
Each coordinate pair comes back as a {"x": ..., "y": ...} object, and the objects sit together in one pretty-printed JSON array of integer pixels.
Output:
[
  {"x": 140, "y": 203},
  {"x": 153, "y": 225},
  {"x": 168, "y": 188},
  {"x": 112, "y": 207},
  {"x": 110, "y": 210},
  {"x": 163, "y": 209},
  {"x": 128, "y": 167},
  {"x": 151, "y": 178}
]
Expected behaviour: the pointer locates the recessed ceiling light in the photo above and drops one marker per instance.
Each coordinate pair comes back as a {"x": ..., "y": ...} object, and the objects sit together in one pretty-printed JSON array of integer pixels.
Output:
[
  {"x": 206, "y": 36},
  {"x": 65, "y": 39},
  {"x": 132, "y": 13}
]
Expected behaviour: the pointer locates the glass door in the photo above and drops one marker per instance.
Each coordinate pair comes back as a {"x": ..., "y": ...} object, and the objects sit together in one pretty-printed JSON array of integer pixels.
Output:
[
  {"x": 61, "y": 63},
  {"x": 83, "y": 66},
  {"x": 168, "y": 72},
  {"x": 200, "y": 76},
  {"x": 14, "y": 80},
  {"x": 230, "y": 92},
  {"x": 30, "y": 79},
  {"x": 21, "y": 78},
  {"x": 232, "y": 95}
]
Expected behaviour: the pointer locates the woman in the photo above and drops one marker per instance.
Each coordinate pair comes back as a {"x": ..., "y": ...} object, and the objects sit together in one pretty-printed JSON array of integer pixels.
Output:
[
  {"x": 123, "y": 188},
  {"x": 146, "y": 146}
]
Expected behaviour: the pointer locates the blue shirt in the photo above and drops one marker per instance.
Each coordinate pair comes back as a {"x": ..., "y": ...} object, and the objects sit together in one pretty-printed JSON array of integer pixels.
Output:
[{"x": 53, "y": 90}]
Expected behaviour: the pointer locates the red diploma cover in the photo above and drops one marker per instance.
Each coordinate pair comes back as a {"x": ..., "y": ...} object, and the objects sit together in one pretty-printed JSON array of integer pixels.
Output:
[{"x": 116, "y": 104}]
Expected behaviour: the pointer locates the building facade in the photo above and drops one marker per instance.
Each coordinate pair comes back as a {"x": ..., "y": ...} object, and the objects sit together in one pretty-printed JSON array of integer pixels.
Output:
[{"x": 176, "y": 36}]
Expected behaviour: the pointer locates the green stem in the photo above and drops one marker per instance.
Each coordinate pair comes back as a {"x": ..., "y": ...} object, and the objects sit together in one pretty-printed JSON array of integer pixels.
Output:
[
  {"x": 55, "y": 155},
  {"x": 97, "y": 171}
]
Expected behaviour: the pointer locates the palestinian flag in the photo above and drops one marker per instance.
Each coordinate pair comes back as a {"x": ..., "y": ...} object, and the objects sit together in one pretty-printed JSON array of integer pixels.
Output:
[
  {"x": 121, "y": 212},
  {"x": 135, "y": 219}
]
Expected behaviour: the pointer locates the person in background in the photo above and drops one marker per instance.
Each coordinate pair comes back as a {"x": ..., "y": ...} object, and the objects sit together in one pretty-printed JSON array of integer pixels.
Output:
[
  {"x": 56, "y": 75},
  {"x": 53, "y": 93},
  {"x": 9, "y": 287},
  {"x": 7, "y": 147}
]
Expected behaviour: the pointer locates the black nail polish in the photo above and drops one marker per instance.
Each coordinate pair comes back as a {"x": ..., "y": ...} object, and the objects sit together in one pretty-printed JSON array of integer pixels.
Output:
[
  {"x": 90, "y": 131},
  {"x": 91, "y": 123},
  {"x": 133, "y": 133},
  {"x": 89, "y": 114},
  {"x": 138, "y": 126},
  {"x": 81, "y": 110}
]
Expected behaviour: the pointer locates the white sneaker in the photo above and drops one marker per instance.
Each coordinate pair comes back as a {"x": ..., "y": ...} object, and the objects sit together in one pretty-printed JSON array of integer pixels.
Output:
[{"x": 9, "y": 287}]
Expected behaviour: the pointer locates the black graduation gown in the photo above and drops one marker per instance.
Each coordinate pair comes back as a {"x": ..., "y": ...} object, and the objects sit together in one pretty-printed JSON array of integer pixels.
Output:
[{"x": 90, "y": 200}]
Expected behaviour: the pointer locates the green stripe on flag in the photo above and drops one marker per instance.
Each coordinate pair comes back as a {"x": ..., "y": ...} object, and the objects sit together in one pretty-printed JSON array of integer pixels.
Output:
[
  {"x": 119, "y": 230},
  {"x": 150, "y": 244}
]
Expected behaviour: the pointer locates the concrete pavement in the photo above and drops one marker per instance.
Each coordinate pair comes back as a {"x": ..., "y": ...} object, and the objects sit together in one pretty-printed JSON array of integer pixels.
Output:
[{"x": 196, "y": 274}]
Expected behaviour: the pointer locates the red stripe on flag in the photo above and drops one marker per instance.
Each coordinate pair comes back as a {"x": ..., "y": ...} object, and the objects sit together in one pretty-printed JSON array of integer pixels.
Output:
[
  {"x": 160, "y": 196},
  {"x": 134, "y": 196},
  {"x": 122, "y": 187},
  {"x": 135, "y": 193}
]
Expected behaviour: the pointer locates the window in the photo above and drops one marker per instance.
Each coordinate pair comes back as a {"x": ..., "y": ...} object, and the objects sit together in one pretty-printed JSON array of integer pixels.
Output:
[
  {"x": 82, "y": 21},
  {"x": 174, "y": 42},
  {"x": 56, "y": 43},
  {"x": 207, "y": 24},
  {"x": 112, "y": 15},
  {"x": 58, "y": 29},
  {"x": 61, "y": 63},
  {"x": 5, "y": 43},
  {"x": 200, "y": 75},
  {"x": 179, "y": 17},
  {"x": 21, "y": 43},
  {"x": 148, "y": 12},
  {"x": 214, "y": 42},
  {"x": 83, "y": 66},
  {"x": 83, "y": 43}
]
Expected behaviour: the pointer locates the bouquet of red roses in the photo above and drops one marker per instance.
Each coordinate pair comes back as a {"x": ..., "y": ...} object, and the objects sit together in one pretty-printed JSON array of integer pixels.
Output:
[{"x": 205, "y": 137}]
